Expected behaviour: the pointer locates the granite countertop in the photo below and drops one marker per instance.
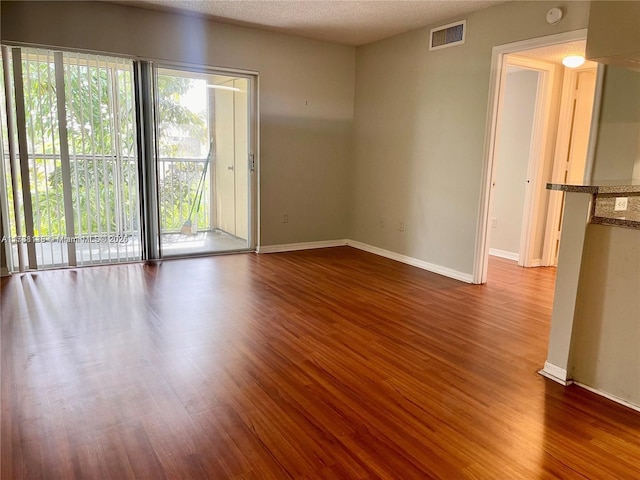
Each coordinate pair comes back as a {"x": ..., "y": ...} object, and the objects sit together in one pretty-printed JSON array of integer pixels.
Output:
[
  {"x": 605, "y": 193},
  {"x": 605, "y": 186},
  {"x": 616, "y": 222}
]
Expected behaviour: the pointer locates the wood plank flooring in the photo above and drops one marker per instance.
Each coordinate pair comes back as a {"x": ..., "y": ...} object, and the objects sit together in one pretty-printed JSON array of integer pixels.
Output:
[{"x": 323, "y": 364}]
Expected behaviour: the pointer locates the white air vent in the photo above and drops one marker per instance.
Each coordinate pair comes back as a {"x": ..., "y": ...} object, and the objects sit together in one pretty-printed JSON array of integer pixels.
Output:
[{"x": 448, "y": 35}]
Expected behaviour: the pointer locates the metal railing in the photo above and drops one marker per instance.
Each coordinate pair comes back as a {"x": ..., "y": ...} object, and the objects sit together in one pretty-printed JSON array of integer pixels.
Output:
[
  {"x": 178, "y": 179},
  {"x": 71, "y": 159},
  {"x": 105, "y": 193},
  {"x": 105, "y": 205}
]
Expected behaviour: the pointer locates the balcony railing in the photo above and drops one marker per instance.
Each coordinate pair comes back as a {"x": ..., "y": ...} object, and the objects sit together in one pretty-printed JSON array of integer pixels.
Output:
[
  {"x": 178, "y": 179},
  {"x": 106, "y": 212}
]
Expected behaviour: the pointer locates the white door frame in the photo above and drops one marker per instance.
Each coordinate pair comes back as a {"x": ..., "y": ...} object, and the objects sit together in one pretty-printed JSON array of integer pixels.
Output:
[{"x": 481, "y": 255}]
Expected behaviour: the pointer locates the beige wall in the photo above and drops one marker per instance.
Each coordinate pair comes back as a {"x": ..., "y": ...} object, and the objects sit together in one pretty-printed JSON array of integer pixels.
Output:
[
  {"x": 618, "y": 143},
  {"x": 306, "y": 97},
  {"x": 420, "y": 128},
  {"x": 575, "y": 212},
  {"x": 614, "y": 32},
  {"x": 605, "y": 346},
  {"x": 636, "y": 167}
]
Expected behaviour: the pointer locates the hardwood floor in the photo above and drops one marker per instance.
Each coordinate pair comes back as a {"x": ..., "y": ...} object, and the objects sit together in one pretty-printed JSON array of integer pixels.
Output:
[{"x": 331, "y": 363}]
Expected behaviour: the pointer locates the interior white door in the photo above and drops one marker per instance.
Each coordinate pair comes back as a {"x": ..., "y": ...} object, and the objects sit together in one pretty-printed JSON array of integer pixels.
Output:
[{"x": 572, "y": 146}]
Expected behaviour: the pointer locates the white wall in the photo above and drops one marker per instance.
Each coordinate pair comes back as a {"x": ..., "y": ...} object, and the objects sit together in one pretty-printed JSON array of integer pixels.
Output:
[
  {"x": 512, "y": 157},
  {"x": 306, "y": 97},
  {"x": 420, "y": 127}
]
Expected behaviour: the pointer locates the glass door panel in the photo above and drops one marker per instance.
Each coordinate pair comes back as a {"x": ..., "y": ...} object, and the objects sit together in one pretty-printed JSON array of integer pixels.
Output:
[
  {"x": 203, "y": 138},
  {"x": 70, "y": 180}
]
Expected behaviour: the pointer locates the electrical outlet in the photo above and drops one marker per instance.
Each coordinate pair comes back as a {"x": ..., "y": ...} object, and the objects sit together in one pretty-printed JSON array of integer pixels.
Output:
[
  {"x": 401, "y": 226},
  {"x": 381, "y": 222},
  {"x": 621, "y": 204},
  {"x": 494, "y": 222},
  {"x": 285, "y": 218}
]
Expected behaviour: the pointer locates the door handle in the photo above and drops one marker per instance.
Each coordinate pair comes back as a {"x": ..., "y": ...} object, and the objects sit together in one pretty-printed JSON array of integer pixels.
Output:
[{"x": 230, "y": 167}]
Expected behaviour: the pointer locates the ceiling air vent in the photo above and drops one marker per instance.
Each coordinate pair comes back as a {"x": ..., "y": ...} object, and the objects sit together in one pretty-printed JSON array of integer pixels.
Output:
[{"x": 448, "y": 35}]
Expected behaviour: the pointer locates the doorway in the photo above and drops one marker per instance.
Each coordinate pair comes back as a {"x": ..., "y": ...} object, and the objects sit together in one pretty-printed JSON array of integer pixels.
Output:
[
  {"x": 533, "y": 131},
  {"x": 204, "y": 162},
  {"x": 525, "y": 106}
]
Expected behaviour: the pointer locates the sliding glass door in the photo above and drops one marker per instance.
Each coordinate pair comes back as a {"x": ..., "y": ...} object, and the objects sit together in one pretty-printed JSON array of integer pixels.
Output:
[
  {"x": 204, "y": 162},
  {"x": 81, "y": 183},
  {"x": 70, "y": 174}
]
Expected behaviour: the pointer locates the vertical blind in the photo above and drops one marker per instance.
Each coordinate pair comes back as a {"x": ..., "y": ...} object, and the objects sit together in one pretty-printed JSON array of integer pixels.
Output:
[{"x": 70, "y": 163}]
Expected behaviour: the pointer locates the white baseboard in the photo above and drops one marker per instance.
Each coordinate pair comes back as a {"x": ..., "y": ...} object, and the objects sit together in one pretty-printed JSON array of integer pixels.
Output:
[
  {"x": 292, "y": 247},
  {"x": 536, "y": 263},
  {"x": 613, "y": 398},
  {"x": 504, "y": 254},
  {"x": 555, "y": 373},
  {"x": 447, "y": 272},
  {"x": 559, "y": 375}
]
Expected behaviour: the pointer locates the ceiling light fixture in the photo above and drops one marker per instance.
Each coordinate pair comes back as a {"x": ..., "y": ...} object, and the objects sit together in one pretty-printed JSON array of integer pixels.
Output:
[
  {"x": 223, "y": 87},
  {"x": 573, "y": 61}
]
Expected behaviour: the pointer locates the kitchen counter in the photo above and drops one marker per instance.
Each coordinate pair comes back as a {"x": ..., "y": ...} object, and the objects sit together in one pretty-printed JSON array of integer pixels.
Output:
[
  {"x": 603, "y": 210},
  {"x": 595, "y": 322}
]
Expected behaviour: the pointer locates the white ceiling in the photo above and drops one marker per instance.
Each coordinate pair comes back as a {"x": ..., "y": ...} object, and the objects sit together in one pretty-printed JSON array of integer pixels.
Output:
[{"x": 341, "y": 21}]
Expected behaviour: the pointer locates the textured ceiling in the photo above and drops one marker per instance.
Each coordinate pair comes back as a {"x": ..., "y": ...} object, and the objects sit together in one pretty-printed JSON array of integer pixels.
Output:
[
  {"x": 555, "y": 53},
  {"x": 341, "y": 21}
]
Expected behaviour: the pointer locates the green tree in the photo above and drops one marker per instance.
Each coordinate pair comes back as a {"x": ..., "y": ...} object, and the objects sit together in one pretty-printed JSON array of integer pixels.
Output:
[
  {"x": 178, "y": 178},
  {"x": 102, "y": 144}
]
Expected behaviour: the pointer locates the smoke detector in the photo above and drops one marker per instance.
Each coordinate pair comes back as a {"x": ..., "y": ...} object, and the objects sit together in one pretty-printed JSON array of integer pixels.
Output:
[{"x": 554, "y": 15}]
